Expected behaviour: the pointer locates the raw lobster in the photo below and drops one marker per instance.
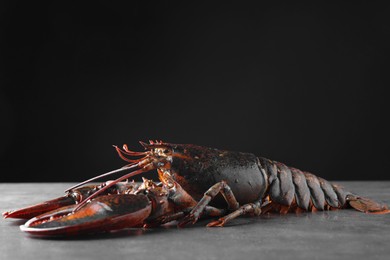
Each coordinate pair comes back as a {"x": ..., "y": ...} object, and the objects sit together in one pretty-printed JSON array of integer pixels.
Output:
[{"x": 192, "y": 177}]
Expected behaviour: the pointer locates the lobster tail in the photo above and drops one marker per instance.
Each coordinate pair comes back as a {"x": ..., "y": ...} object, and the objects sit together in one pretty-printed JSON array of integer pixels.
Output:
[
  {"x": 366, "y": 205},
  {"x": 294, "y": 189}
]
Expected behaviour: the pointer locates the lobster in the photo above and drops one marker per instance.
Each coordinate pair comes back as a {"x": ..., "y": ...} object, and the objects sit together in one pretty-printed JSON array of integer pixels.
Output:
[{"x": 195, "y": 182}]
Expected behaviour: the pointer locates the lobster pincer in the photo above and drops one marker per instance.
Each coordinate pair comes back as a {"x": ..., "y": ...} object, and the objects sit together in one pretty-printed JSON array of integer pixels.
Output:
[
  {"x": 71, "y": 197},
  {"x": 104, "y": 213}
]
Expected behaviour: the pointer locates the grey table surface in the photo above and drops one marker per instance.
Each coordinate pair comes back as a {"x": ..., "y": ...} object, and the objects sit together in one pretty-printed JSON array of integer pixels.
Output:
[{"x": 342, "y": 234}]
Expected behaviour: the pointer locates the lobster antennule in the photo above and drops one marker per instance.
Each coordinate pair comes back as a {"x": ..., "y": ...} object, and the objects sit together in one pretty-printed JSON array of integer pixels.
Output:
[
  {"x": 121, "y": 154},
  {"x": 129, "y": 152}
]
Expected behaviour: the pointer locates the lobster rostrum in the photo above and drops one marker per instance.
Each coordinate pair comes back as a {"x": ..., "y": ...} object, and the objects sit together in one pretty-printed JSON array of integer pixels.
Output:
[{"x": 195, "y": 181}]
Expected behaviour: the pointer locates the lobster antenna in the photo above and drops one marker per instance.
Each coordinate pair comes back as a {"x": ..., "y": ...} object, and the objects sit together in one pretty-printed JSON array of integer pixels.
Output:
[
  {"x": 120, "y": 152},
  {"x": 124, "y": 177},
  {"x": 103, "y": 175}
]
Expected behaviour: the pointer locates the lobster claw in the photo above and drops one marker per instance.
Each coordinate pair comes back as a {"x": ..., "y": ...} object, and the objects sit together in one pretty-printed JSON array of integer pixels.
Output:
[
  {"x": 72, "y": 197},
  {"x": 105, "y": 213},
  {"x": 40, "y": 208}
]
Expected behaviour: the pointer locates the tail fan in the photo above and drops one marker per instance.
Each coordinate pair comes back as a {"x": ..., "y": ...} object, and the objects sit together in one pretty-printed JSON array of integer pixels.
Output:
[{"x": 367, "y": 205}]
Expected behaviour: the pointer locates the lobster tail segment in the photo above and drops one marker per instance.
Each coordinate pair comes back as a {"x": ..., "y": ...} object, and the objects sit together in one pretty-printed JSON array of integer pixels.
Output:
[{"x": 366, "y": 205}]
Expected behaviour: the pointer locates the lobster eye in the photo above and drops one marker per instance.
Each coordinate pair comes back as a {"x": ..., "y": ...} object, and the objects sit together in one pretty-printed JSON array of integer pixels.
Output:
[{"x": 166, "y": 151}]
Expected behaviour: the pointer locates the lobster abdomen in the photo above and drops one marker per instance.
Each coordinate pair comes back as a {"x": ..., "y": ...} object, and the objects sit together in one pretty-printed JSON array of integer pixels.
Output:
[{"x": 292, "y": 188}]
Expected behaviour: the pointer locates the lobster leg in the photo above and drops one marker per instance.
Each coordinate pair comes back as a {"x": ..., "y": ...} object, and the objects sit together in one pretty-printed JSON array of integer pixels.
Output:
[
  {"x": 220, "y": 187},
  {"x": 209, "y": 211},
  {"x": 250, "y": 208},
  {"x": 165, "y": 219}
]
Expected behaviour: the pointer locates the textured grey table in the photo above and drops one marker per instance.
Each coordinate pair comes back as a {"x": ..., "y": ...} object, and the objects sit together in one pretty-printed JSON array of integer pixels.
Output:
[{"x": 345, "y": 234}]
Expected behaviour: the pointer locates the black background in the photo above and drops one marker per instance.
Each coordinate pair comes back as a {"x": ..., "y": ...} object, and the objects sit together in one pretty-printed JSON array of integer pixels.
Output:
[{"x": 304, "y": 84}]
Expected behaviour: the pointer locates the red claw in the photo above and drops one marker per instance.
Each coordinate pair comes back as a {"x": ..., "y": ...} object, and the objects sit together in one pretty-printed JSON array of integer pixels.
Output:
[
  {"x": 32, "y": 211},
  {"x": 105, "y": 213},
  {"x": 72, "y": 197}
]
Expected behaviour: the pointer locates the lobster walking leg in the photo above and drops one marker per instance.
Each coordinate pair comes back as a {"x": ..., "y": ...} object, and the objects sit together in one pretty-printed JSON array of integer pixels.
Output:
[
  {"x": 209, "y": 211},
  {"x": 250, "y": 208},
  {"x": 220, "y": 187},
  {"x": 165, "y": 219}
]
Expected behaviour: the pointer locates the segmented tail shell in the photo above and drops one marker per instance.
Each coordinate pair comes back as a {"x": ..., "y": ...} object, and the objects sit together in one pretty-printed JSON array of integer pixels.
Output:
[{"x": 291, "y": 187}]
